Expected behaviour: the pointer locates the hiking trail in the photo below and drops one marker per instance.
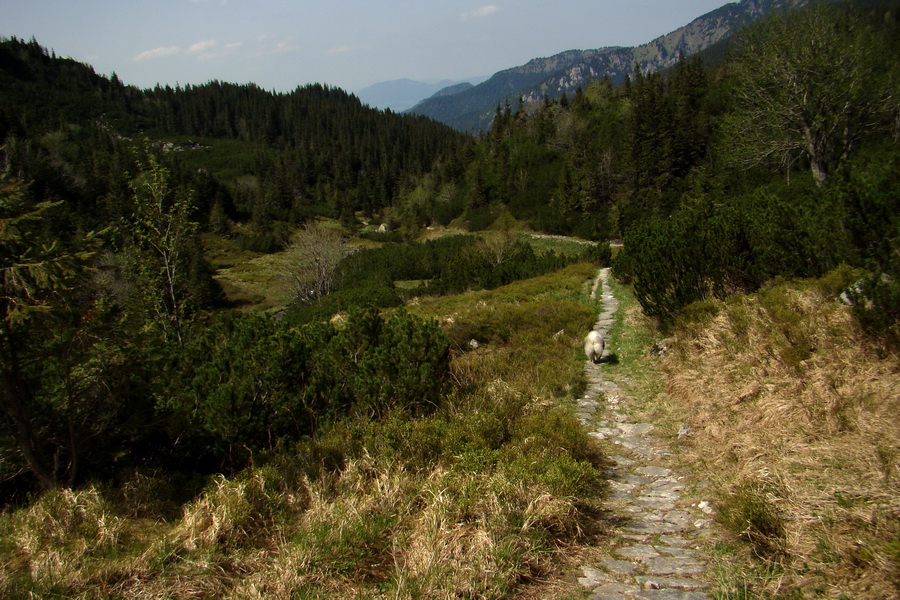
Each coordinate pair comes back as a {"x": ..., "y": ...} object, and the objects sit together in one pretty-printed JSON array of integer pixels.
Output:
[{"x": 655, "y": 551}]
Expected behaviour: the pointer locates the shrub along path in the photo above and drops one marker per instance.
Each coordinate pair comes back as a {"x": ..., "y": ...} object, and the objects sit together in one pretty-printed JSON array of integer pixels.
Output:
[{"x": 656, "y": 554}]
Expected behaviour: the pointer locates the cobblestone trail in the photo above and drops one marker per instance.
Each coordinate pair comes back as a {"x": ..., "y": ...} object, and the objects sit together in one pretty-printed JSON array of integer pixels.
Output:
[{"x": 656, "y": 554}]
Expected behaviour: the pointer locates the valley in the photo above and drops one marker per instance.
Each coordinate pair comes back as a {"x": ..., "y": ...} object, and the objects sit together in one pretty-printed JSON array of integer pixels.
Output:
[{"x": 258, "y": 344}]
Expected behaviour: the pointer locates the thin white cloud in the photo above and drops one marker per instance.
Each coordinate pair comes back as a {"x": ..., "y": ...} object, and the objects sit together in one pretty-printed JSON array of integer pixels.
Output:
[
  {"x": 160, "y": 52},
  {"x": 211, "y": 49},
  {"x": 202, "y": 46},
  {"x": 340, "y": 49},
  {"x": 480, "y": 13},
  {"x": 285, "y": 46},
  {"x": 267, "y": 47}
]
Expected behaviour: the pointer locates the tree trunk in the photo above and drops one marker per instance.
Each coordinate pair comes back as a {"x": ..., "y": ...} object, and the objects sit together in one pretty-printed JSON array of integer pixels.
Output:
[
  {"x": 14, "y": 399},
  {"x": 819, "y": 170}
]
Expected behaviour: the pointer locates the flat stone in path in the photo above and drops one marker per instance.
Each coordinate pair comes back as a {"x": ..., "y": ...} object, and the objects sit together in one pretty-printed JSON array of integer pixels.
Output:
[
  {"x": 674, "y": 540},
  {"x": 635, "y": 443},
  {"x": 641, "y": 552},
  {"x": 656, "y": 502},
  {"x": 652, "y": 527},
  {"x": 622, "y": 486},
  {"x": 670, "y": 595},
  {"x": 604, "y": 433},
  {"x": 674, "y": 566},
  {"x": 653, "y": 582},
  {"x": 622, "y": 461},
  {"x": 679, "y": 552},
  {"x": 593, "y": 578},
  {"x": 632, "y": 478},
  {"x": 680, "y": 518},
  {"x": 613, "y": 591},
  {"x": 653, "y": 471},
  {"x": 667, "y": 485},
  {"x": 622, "y": 567},
  {"x": 640, "y": 429}
]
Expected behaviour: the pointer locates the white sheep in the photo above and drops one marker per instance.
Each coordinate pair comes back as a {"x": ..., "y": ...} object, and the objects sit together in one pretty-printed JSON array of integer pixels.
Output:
[{"x": 593, "y": 346}]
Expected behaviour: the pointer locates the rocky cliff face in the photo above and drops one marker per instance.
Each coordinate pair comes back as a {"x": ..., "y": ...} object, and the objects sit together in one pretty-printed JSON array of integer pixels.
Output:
[{"x": 473, "y": 108}]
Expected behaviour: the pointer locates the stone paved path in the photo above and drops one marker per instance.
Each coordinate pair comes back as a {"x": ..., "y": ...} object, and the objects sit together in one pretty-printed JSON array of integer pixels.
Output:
[{"x": 655, "y": 554}]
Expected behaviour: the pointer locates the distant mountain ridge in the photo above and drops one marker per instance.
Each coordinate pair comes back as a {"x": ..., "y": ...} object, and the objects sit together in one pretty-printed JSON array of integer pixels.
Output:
[
  {"x": 402, "y": 94},
  {"x": 473, "y": 108}
]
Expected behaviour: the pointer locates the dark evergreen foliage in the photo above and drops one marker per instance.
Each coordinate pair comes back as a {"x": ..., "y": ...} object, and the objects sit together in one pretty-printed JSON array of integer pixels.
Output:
[{"x": 247, "y": 384}]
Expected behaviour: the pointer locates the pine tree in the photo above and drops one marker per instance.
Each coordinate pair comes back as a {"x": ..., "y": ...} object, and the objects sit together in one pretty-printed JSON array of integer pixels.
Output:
[{"x": 38, "y": 273}]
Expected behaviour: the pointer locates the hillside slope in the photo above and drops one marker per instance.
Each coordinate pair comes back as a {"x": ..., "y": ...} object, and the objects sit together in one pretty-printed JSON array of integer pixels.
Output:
[{"x": 308, "y": 146}]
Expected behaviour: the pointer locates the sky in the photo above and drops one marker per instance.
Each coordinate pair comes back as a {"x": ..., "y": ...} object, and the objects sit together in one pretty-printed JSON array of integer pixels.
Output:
[{"x": 282, "y": 44}]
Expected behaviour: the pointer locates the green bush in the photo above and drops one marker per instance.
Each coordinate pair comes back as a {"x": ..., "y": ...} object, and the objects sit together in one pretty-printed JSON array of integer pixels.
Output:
[
  {"x": 876, "y": 304},
  {"x": 475, "y": 267},
  {"x": 237, "y": 386},
  {"x": 708, "y": 249},
  {"x": 868, "y": 191},
  {"x": 599, "y": 254},
  {"x": 399, "y": 363},
  {"x": 480, "y": 219},
  {"x": 256, "y": 384}
]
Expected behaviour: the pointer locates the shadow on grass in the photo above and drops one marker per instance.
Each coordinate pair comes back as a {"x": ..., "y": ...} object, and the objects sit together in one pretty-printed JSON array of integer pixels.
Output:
[{"x": 610, "y": 359}]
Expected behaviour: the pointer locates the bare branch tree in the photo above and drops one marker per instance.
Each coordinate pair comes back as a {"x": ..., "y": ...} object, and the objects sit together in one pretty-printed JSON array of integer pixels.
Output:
[
  {"x": 501, "y": 247},
  {"x": 311, "y": 262}
]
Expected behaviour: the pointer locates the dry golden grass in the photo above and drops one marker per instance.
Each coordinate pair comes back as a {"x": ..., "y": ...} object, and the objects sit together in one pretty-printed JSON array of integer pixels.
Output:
[{"x": 794, "y": 415}]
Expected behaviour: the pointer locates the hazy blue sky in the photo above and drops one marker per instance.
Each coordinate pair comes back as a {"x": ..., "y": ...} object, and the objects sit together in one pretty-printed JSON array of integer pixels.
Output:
[{"x": 280, "y": 44}]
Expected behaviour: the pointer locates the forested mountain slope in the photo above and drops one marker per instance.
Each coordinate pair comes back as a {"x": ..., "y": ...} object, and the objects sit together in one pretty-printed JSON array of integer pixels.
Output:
[{"x": 314, "y": 144}]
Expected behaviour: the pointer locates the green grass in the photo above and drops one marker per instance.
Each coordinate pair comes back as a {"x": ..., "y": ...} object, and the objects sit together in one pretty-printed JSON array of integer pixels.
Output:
[
  {"x": 633, "y": 366},
  {"x": 567, "y": 247},
  {"x": 247, "y": 278},
  {"x": 223, "y": 252}
]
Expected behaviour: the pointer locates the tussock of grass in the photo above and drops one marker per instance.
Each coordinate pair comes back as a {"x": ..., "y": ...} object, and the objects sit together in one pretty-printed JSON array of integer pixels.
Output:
[{"x": 794, "y": 416}]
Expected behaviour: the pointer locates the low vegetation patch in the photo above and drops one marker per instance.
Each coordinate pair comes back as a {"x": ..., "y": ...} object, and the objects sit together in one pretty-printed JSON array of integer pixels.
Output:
[{"x": 479, "y": 497}]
